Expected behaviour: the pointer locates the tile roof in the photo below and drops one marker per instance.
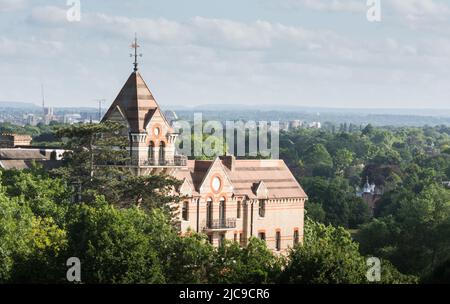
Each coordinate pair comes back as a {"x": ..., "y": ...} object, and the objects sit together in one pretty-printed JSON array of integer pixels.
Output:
[
  {"x": 136, "y": 102},
  {"x": 25, "y": 154},
  {"x": 247, "y": 175}
]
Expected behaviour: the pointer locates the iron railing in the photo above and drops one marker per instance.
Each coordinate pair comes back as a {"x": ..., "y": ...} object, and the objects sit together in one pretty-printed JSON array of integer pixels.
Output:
[
  {"x": 217, "y": 224},
  {"x": 178, "y": 161}
]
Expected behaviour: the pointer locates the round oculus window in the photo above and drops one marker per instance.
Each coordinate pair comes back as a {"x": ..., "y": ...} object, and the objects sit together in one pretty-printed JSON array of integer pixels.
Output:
[
  {"x": 156, "y": 131},
  {"x": 216, "y": 184}
]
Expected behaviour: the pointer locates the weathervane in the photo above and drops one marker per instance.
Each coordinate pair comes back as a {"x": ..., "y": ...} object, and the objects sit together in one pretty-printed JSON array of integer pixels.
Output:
[{"x": 135, "y": 46}]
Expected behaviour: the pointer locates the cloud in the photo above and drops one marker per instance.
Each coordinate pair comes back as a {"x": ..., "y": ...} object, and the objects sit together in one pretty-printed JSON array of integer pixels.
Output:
[
  {"x": 352, "y": 6},
  {"x": 420, "y": 13},
  {"x": 12, "y": 5},
  {"x": 48, "y": 16},
  {"x": 250, "y": 60}
]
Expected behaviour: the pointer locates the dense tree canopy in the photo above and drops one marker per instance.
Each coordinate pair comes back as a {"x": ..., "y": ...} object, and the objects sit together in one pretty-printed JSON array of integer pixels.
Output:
[{"x": 125, "y": 234}]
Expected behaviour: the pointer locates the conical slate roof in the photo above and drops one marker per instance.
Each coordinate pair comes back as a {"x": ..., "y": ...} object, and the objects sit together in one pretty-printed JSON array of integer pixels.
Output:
[{"x": 136, "y": 102}]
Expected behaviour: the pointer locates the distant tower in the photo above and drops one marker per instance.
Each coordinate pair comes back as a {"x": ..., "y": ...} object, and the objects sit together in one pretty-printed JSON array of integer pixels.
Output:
[
  {"x": 43, "y": 98},
  {"x": 100, "y": 102}
]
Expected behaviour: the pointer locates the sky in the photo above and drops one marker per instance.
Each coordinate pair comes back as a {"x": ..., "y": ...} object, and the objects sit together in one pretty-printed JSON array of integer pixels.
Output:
[{"x": 306, "y": 53}]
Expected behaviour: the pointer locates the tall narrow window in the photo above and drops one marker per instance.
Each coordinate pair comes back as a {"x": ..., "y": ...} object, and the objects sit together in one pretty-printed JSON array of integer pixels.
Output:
[
  {"x": 162, "y": 153},
  {"x": 185, "y": 211},
  {"x": 262, "y": 236},
  {"x": 222, "y": 215},
  {"x": 262, "y": 208},
  {"x": 150, "y": 153},
  {"x": 235, "y": 238},
  {"x": 278, "y": 240},
  {"x": 296, "y": 237},
  {"x": 209, "y": 212},
  {"x": 238, "y": 213}
]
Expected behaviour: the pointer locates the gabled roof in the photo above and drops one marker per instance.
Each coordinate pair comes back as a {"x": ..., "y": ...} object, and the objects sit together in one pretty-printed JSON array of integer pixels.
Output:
[
  {"x": 270, "y": 178},
  {"x": 136, "y": 102},
  {"x": 216, "y": 164}
]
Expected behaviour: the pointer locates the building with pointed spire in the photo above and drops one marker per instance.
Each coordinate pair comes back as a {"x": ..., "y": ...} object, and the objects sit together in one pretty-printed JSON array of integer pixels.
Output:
[
  {"x": 371, "y": 195},
  {"x": 225, "y": 198}
]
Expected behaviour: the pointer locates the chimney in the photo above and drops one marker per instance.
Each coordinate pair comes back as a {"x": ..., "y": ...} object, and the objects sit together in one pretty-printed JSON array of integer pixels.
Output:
[{"x": 228, "y": 161}]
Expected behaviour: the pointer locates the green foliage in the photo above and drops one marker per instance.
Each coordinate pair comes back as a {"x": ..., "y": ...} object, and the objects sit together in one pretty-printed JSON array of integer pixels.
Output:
[
  {"x": 327, "y": 256},
  {"x": 114, "y": 244},
  {"x": 254, "y": 264},
  {"x": 415, "y": 234},
  {"x": 335, "y": 197}
]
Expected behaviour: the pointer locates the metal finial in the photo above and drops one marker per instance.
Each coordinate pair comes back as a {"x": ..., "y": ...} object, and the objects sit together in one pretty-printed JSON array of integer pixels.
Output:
[{"x": 135, "y": 46}]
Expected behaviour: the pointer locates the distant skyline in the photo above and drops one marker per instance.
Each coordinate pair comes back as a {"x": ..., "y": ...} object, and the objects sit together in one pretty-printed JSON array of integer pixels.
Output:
[{"x": 305, "y": 53}]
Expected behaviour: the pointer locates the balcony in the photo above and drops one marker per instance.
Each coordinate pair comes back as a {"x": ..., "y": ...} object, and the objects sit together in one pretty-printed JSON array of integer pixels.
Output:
[
  {"x": 219, "y": 224},
  {"x": 178, "y": 161}
]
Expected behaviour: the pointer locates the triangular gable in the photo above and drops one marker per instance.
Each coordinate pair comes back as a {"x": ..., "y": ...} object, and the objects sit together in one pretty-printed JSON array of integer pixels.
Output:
[
  {"x": 186, "y": 188},
  {"x": 118, "y": 113},
  {"x": 216, "y": 168},
  {"x": 261, "y": 190}
]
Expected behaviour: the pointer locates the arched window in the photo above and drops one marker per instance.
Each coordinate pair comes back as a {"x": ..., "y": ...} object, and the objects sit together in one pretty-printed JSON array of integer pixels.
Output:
[
  {"x": 209, "y": 212},
  {"x": 185, "y": 211},
  {"x": 222, "y": 210},
  {"x": 296, "y": 237},
  {"x": 162, "y": 153},
  {"x": 150, "y": 152}
]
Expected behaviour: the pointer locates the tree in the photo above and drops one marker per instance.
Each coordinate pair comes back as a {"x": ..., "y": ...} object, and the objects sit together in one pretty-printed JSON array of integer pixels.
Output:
[
  {"x": 342, "y": 160},
  {"x": 315, "y": 211},
  {"x": 415, "y": 236},
  {"x": 338, "y": 201},
  {"x": 96, "y": 152},
  {"x": 114, "y": 245},
  {"x": 187, "y": 259},
  {"x": 44, "y": 261},
  {"x": 327, "y": 256},
  {"x": 253, "y": 264},
  {"x": 317, "y": 160}
]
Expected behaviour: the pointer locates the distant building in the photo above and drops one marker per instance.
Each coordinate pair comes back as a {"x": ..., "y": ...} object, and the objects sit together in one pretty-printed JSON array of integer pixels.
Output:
[
  {"x": 284, "y": 126},
  {"x": 315, "y": 125},
  {"x": 14, "y": 140},
  {"x": 371, "y": 195},
  {"x": 31, "y": 120},
  {"x": 48, "y": 115},
  {"x": 295, "y": 124},
  {"x": 18, "y": 158},
  {"x": 71, "y": 118}
]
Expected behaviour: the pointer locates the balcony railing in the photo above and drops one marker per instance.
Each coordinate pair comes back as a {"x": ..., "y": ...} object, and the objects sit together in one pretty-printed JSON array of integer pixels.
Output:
[
  {"x": 219, "y": 224},
  {"x": 178, "y": 161}
]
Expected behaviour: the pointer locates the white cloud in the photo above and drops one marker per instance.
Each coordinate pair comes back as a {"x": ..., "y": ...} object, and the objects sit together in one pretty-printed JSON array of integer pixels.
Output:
[
  {"x": 427, "y": 14},
  {"x": 48, "y": 15},
  {"x": 12, "y": 5},
  {"x": 255, "y": 60},
  {"x": 353, "y": 6}
]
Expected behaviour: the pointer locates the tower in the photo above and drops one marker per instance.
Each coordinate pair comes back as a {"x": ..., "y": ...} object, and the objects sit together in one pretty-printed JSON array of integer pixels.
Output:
[{"x": 151, "y": 138}]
